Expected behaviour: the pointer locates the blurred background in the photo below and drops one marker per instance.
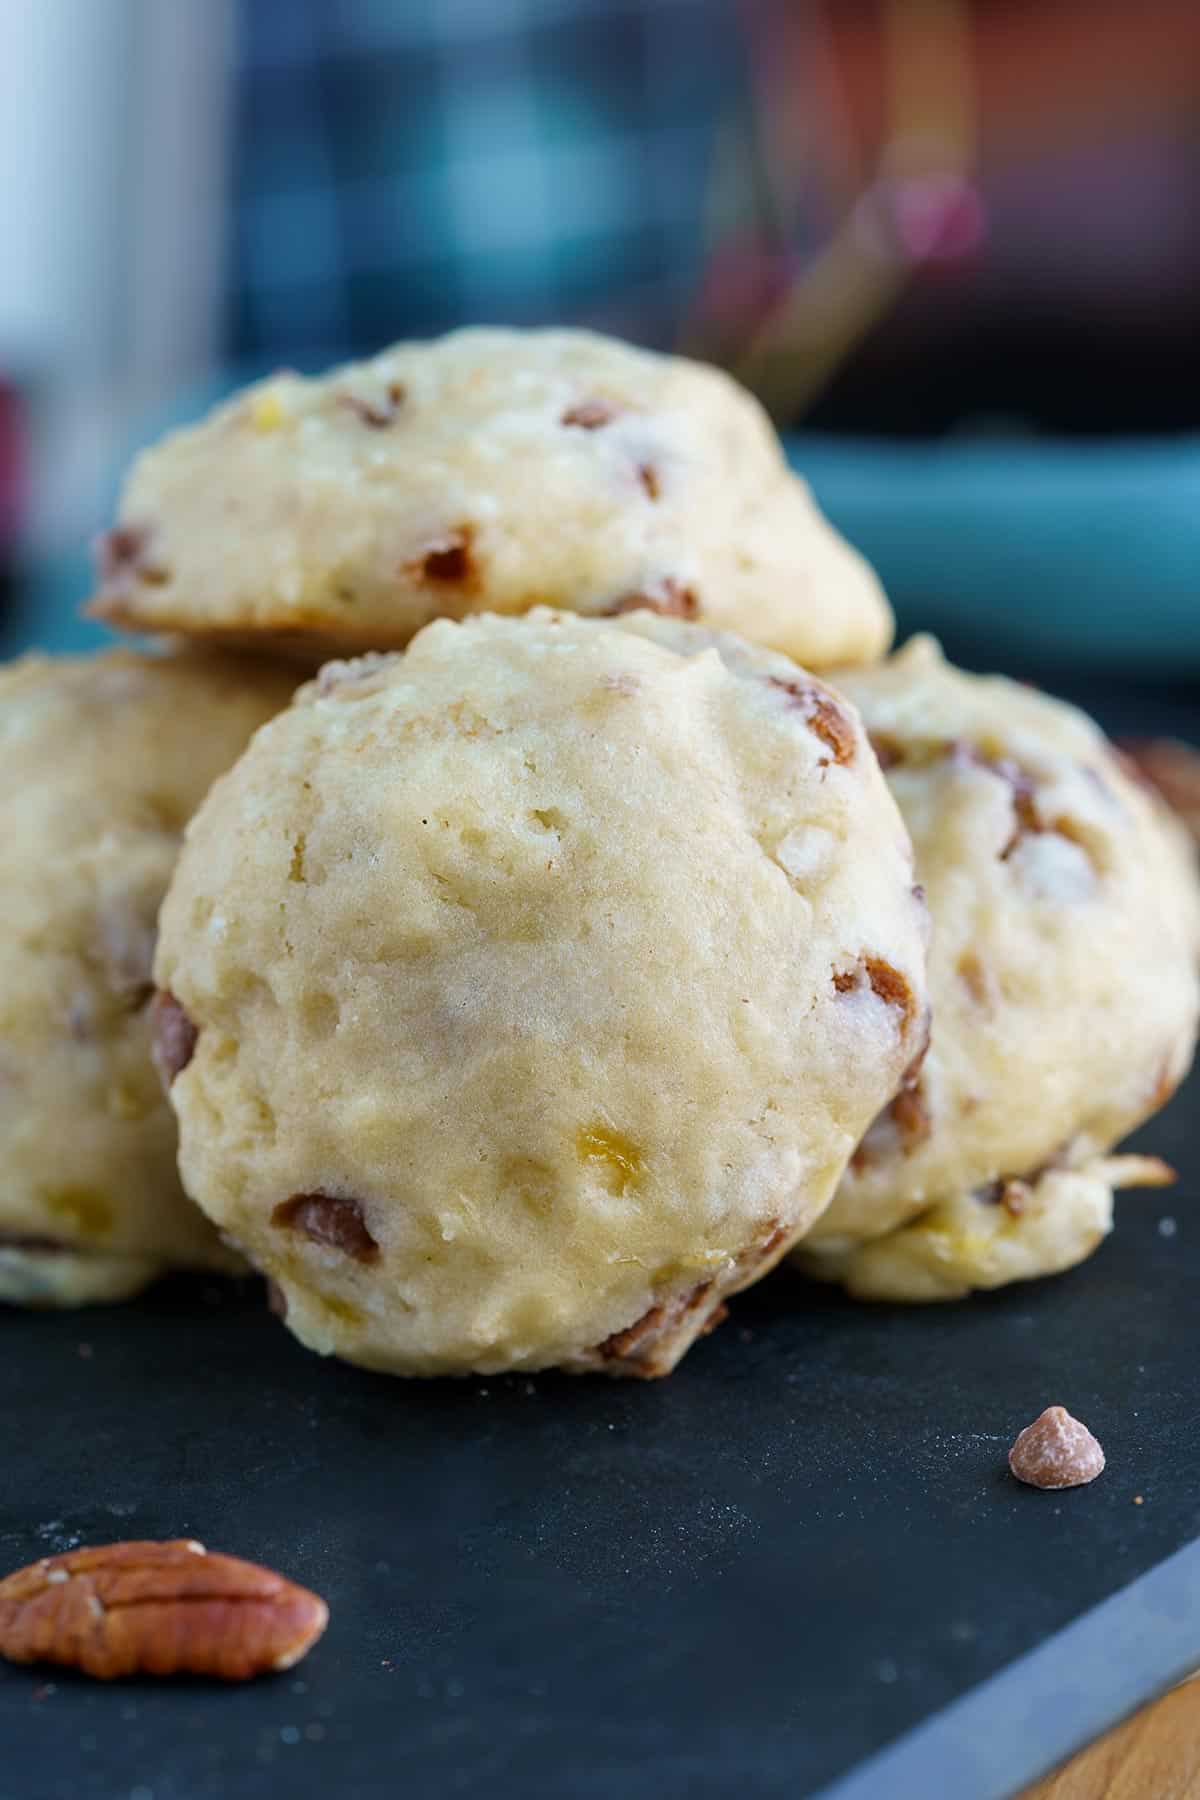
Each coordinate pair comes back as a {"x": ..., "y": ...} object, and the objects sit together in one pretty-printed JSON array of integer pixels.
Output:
[{"x": 953, "y": 244}]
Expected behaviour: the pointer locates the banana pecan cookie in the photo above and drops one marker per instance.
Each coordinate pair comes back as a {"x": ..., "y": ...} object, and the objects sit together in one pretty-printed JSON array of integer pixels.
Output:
[
  {"x": 526, "y": 994},
  {"x": 1062, "y": 974},
  {"x": 487, "y": 471},
  {"x": 104, "y": 759}
]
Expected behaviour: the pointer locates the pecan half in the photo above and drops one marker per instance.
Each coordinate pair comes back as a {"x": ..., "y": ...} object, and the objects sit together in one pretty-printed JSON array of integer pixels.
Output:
[
  {"x": 329, "y": 1219},
  {"x": 173, "y": 1036},
  {"x": 157, "y": 1609}
]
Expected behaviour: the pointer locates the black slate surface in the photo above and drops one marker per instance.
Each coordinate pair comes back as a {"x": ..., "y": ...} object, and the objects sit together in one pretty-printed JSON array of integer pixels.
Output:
[{"x": 743, "y": 1580}]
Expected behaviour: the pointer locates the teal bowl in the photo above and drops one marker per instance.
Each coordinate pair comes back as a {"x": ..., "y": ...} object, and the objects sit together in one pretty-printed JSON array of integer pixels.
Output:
[{"x": 1078, "y": 555}]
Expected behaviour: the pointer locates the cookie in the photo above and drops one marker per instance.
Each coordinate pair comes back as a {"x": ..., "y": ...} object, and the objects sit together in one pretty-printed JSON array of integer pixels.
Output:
[
  {"x": 104, "y": 759},
  {"x": 535, "y": 987},
  {"x": 487, "y": 471},
  {"x": 1063, "y": 980},
  {"x": 1172, "y": 769}
]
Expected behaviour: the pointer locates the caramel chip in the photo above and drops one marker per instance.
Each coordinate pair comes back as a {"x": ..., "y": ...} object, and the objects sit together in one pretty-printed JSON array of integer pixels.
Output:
[
  {"x": 174, "y": 1039},
  {"x": 590, "y": 415},
  {"x": 378, "y": 413},
  {"x": 1056, "y": 1451},
  {"x": 667, "y": 597},
  {"x": 329, "y": 1219},
  {"x": 449, "y": 560}
]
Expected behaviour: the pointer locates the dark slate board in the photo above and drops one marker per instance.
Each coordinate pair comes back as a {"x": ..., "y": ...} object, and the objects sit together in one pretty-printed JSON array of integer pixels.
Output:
[
  {"x": 744, "y": 1579},
  {"x": 748, "y": 1579}
]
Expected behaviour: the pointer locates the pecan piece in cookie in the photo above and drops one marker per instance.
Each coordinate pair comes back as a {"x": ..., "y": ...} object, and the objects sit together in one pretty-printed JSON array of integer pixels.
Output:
[
  {"x": 885, "y": 982},
  {"x": 669, "y": 598},
  {"x": 448, "y": 562},
  {"x": 41, "y": 1246},
  {"x": 911, "y": 1117},
  {"x": 824, "y": 718},
  {"x": 649, "y": 481},
  {"x": 122, "y": 558},
  {"x": 589, "y": 415},
  {"x": 1172, "y": 769},
  {"x": 1007, "y": 1191},
  {"x": 276, "y": 1298},
  {"x": 889, "y": 751},
  {"x": 174, "y": 1036},
  {"x": 378, "y": 414},
  {"x": 648, "y": 1348},
  {"x": 329, "y": 1219}
]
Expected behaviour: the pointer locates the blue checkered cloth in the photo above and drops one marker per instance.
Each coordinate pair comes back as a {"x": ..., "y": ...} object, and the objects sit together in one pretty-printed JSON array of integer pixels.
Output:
[{"x": 405, "y": 166}]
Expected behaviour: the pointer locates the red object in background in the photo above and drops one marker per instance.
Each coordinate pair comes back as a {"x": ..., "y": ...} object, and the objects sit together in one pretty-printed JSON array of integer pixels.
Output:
[
  {"x": 12, "y": 470},
  {"x": 939, "y": 218},
  {"x": 746, "y": 277}
]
